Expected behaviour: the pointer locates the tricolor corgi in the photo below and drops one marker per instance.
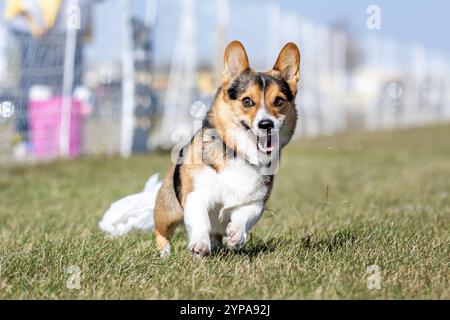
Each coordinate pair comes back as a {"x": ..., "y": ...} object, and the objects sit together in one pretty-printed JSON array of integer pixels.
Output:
[{"x": 222, "y": 179}]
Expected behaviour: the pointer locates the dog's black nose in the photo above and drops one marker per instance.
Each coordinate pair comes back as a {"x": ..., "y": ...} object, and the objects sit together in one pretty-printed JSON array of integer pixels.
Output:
[{"x": 266, "y": 124}]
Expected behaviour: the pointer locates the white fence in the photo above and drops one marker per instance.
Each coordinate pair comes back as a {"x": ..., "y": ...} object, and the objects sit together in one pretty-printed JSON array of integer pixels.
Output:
[
  {"x": 389, "y": 85},
  {"x": 348, "y": 82}
]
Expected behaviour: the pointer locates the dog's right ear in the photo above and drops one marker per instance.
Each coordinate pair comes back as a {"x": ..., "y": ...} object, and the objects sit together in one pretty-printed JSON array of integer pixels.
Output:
[{"x": 236, "y": 61}]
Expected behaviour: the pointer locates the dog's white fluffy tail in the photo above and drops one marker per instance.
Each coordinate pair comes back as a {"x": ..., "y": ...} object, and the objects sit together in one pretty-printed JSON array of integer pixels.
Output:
[{"x": 134, "y": 212}]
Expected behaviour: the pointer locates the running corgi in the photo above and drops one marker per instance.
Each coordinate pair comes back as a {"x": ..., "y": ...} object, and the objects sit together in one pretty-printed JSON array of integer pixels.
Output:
[{"x": 222, "y": 180}]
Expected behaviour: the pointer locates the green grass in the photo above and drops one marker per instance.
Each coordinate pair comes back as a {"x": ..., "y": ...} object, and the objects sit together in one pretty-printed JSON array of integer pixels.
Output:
[{"x": 387, "y": 204}]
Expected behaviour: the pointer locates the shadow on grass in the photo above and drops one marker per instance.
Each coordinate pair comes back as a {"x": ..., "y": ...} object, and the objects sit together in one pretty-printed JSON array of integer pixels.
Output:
[
  {"x": 252, "y": 249},
  {"x": 330, "y": 242}
]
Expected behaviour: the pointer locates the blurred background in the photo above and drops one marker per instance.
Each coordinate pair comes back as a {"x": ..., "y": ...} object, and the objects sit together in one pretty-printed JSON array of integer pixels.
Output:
[{"x": 96, "y": 77}]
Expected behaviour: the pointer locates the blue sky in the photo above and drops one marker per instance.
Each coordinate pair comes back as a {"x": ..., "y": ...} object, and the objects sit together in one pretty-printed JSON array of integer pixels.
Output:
[{"x": 411, "y": 22}]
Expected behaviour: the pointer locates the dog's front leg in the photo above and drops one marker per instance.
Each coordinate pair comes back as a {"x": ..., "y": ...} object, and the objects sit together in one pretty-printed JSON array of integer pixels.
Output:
[
  {"x": 243, "y": 218},
  {"x": 197, "y": 223}
]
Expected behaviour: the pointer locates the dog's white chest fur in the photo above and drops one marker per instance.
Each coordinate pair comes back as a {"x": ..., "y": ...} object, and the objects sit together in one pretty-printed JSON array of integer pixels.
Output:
[
  {"x": 237, "y": 184},
  {"x": 228, "y": 202}
]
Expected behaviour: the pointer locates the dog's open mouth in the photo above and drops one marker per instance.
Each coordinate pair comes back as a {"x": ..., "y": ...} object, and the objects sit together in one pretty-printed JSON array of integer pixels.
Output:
[{"x": 265, "y": 142}]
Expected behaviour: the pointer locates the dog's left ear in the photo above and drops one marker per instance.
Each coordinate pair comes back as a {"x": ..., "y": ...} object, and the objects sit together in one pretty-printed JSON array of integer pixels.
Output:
[{"x": 288, "y": 64}]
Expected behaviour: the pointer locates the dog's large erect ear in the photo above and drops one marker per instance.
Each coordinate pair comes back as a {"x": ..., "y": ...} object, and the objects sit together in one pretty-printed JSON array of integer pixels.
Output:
[
  {"x": 236, "y": 61},
  {"x": 288, "y": 63}
]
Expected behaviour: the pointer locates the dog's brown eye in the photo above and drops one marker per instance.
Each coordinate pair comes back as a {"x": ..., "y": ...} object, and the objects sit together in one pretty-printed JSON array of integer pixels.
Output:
[
  {"x": 247, "y": 102},
  {"x": 279, "y": 102}
]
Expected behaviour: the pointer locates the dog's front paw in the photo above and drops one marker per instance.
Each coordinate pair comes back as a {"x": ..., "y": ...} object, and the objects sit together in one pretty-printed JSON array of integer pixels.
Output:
[
  {"x": 200, "y": 249},
  {"x": 236, "y": 237}
]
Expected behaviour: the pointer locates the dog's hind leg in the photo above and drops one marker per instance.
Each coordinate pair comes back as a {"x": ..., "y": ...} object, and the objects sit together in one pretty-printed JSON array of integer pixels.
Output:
[
  {"x": 165, "y": 225},
  {"x": 163, "y": 241},
  {"x": 166, "y": 221},
  {"x": 168, "y": 215}
]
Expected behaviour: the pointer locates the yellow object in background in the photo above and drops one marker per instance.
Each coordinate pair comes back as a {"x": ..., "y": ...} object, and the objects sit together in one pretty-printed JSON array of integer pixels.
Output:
[
  {"x": 14, "y": 8},
  {"x": 48, "y": 9}
]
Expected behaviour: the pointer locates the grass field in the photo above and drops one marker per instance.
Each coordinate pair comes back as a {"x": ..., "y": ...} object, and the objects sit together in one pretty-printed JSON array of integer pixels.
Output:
[{"x": 339, "y": 205}]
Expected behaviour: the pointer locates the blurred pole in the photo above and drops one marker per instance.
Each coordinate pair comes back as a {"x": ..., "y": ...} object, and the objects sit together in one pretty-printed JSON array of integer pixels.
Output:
[
  {"x": 151, "y": 12},
  {"x": 222, "y": 26},
  {"x": 182, "y": 78},
  {"x": 273, "y": 24},
  {"x": 128, "y": 90},
  {"x": 69, "y": 66},
  {"x": 338, "y": 52},
  {"x": 151, "y": 19}
]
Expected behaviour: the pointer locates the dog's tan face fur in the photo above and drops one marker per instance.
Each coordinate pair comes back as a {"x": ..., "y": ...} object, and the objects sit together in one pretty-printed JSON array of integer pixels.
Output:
[{"x": 247, "y": 97}]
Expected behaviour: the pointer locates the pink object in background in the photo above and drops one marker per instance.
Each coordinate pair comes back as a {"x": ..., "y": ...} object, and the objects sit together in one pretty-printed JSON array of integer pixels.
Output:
[{"x": 44, "y": 118}]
